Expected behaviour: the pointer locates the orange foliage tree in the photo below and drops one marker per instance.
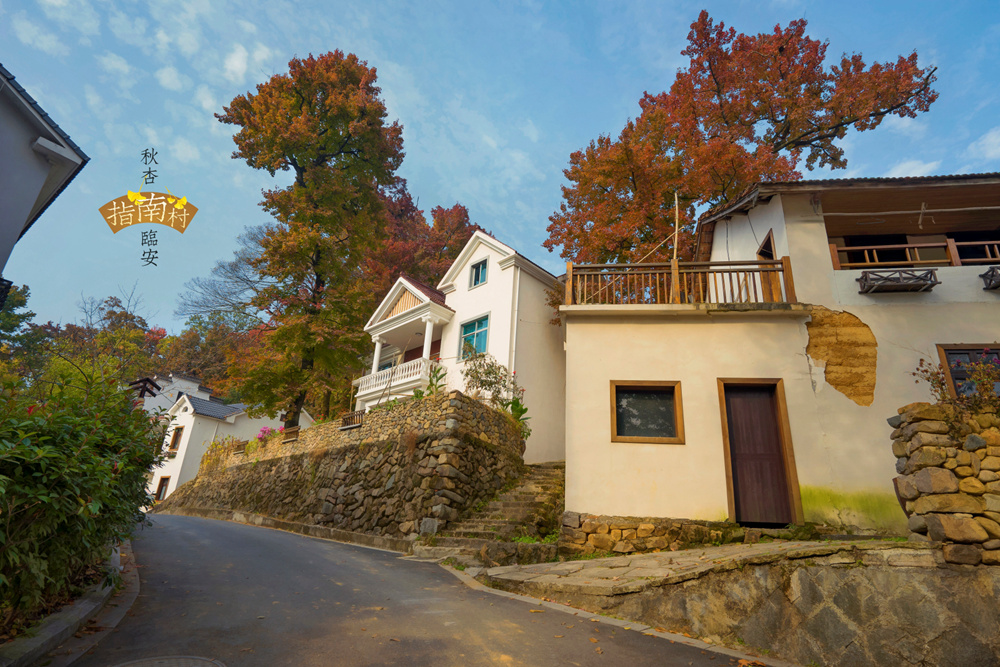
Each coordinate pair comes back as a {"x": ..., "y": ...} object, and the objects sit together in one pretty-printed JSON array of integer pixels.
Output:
[{"x": 747, "y": 108}]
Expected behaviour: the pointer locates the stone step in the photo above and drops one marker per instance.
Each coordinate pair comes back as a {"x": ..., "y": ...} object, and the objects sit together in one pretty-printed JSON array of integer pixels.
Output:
[
  {"x": 441, "y": 551},
  {"x": 474, "y": 534},
  {"x": 472, "y": 545}
]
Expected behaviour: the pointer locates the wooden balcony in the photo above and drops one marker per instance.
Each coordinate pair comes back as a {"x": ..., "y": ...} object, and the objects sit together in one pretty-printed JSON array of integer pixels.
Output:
[
  {"x": 352, "y": 419},
  {"x": 915, "y": 255},
  {"x": 753, "y": 282}
]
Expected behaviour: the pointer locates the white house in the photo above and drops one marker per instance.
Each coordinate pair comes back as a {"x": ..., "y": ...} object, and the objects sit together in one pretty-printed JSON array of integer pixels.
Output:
[
  {"x": 493, "y": 299},
  {"x": 724, "y": 389},
  {"x": 196, "y": 419}
]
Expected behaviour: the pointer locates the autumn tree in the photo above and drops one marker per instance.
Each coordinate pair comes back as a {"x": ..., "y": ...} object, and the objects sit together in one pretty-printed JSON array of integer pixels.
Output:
[
  {"x": 201, "y": 349},
  {"x": 746, "y": 108}
]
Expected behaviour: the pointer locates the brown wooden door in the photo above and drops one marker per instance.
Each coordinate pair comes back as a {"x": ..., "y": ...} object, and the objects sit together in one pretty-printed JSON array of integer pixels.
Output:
[{"x": 760, "y": 484}]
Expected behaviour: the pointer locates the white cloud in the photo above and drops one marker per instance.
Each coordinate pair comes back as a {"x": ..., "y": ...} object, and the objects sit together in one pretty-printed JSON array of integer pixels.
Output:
[
  {"x": 987, "y": 146},
  {"x": 37, "y": 37},
  {"x": 261, "y": 54},
  {"x": 530, "y": 130},
  {"x": 235, "y": 65},
  {"x": 907, "y": 127},
  {"x": 203, "y": 96},
  {"x": 184, "y": 151},
  {"x": 171, "y": 79},
  {"x": 187, "y": 42},
  {"x": 247, "y": 26},
  {"x": 913, "y": 168},
  {"x": 129, "y": 30},
  {"x": 112, "y": 63},
  {"x": 76, "y": 14}
]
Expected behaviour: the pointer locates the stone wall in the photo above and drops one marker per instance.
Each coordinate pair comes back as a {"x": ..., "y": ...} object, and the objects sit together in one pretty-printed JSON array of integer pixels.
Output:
[
  {"x": 407, "y": 470},
  {"x": 949, "y": 480},
  {"x": 589, "y": 533}
]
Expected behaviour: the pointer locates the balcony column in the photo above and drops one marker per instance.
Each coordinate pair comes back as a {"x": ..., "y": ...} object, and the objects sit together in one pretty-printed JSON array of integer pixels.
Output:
[
  {"x": 378, "y": 352},
  {"x": 429, "y": 321}
]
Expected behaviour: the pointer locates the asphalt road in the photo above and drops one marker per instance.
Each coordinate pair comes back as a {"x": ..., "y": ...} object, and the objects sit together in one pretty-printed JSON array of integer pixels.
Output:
[{"x": 254, "y": 596}]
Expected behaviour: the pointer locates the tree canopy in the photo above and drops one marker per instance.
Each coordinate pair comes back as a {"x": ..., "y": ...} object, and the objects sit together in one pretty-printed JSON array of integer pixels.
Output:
[{"x": 746, "y": 108}]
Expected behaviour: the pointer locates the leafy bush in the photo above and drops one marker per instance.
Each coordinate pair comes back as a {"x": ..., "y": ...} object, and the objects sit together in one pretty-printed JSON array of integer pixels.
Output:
[
  {"x": 984, "y": 376},
  {"x": 217, "y": 452},
  {"x": 73, "y": 474},
  {"x": 485, "y": 375}
]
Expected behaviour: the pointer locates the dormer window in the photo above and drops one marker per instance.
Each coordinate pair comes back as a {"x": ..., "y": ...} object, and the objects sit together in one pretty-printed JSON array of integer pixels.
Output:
[{"x": 477, "y": 275}]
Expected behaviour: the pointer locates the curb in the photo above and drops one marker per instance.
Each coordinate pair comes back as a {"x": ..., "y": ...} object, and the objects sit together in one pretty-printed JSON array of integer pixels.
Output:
[
  {"x": 309, "y": 530},
  {"x": 60, "y": 626},
  {"x": 641, "y": 628}
]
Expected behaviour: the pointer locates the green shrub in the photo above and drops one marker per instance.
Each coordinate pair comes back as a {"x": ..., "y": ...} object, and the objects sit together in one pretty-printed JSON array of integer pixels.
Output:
[{"x": 73, "y": 474}]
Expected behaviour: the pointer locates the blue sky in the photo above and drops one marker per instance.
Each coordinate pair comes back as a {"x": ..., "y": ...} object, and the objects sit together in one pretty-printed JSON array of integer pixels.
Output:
[{"x": 493, "y": 98}]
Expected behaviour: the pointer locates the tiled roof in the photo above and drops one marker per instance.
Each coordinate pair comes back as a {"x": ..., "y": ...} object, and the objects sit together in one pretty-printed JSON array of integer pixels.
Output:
[
  {"x": 213, "y": 409},
  {"x": 434, "y": 295}
]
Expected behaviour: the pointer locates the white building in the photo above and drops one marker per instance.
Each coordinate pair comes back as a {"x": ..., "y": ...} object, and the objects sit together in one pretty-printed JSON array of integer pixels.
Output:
[
  {"x": 196, "y": 419},
  {"x": 722, "y": 390},
  {"x": 493, "y": 299}
]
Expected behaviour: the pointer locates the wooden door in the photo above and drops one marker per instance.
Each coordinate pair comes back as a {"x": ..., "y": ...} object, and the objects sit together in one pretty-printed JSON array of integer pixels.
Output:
[{"x": 760, "y": 482}]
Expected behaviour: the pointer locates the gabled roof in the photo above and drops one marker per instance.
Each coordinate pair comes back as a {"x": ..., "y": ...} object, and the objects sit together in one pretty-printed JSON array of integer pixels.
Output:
[
  {"x": 421, "y": 293},
  {"x": 434, "y": 295},
  {"x": 212, "y": 409},
  {"x": 71, "y": 150},
  {"x": 510, "y": 256}
]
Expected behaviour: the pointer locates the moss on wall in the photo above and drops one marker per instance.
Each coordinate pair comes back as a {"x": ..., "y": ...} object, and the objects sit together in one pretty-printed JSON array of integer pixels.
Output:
[
  {"x": 850, "y": 351},
  {"x": 852, "y": 510}
]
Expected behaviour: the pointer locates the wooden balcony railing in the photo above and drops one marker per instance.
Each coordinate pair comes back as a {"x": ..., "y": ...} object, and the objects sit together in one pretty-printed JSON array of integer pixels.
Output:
[
  {"x": 914, "y": 255},
  {"x": 764, "y": 281},
  {"x": 352, "y": 419}
]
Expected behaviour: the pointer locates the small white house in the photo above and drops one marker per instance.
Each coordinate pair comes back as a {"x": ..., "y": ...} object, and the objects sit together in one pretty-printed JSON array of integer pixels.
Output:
[
  {"x": 493, "y": 299},
  {"x": 196, "y": 419}
]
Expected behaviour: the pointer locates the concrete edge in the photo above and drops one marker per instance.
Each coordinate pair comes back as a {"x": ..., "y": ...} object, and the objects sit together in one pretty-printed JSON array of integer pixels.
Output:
[
  {"x": 309, "y": 530},
  {"x": 622, "y": 624},
  {"x": 106, "y": 620},
  {"x": 56, "y": 628}
]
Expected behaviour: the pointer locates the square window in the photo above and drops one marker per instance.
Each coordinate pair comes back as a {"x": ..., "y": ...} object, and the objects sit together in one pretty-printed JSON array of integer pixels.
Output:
[
  {"x": 474, "y": 335},
  {"x": 646, "y": 412},
  {"x": 954, "y": 358},
  {"x": 478, "y": 274}
]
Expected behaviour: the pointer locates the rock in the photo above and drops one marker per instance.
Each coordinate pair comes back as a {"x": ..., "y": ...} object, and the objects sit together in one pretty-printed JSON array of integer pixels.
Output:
[
  {"x": 572, "y": 535},
  {"x": 917, "y": 537},
  {"x": 991, "y": 557},
  {"x": 911, "y": 430},
  {"x": 991, "y": 436},
  {"x": 895, "y": 421},
  {"x": 950, "y": 464},
  {"x": 973, "y": 443},
  {"x": 949, "y": 528},
  {"x": 963, "y": 554},
  {"x": 601, "y": 541},
  {"x": 991, "y": 463},
  {"x": 917, "y": 523},
  {"x": 935, "y": 480},
  {"x": 899, "y": 448},
  {"x": 972, "y": 485},
  {"x": 616, "y": 534},
  {"x": 656, "y": 543},
  {"x": 991, "y": 545},
  {"x": 571, "y": 519},
  {"x": 923, "y": 412},
  {"x": 991, "y": 527},
  {"x": 921, "y": 440},
  {"x": 992, "y": 501},
  {"x": 752, "y": 536},
  {"x": 428, "y": 526},
  {"x": 630, "y": 534},
  {"x": 645, "y": 530},
  {"x": 992, "y": 487},
  {"x": 623, "y": 547},
  {"x": 926, "y": 457},
  {"x": 964, "y": 458},
  {"x": 964, "y": 471},
  {"x": 949, "y": 503},
  {"x": 906, "y": 487},
  {"x": 902, "y": 464}
]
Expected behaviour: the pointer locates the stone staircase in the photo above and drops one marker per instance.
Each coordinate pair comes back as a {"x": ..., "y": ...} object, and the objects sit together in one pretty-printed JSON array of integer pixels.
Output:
[{"x": 533, "y": 508}]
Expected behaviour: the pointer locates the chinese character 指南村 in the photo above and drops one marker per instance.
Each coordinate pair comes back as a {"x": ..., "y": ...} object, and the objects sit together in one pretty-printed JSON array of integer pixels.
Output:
[
  {"x": 149, "y": 156},
  {"x": 149, "y": 238},
  {"x": 148, "y": 257}
]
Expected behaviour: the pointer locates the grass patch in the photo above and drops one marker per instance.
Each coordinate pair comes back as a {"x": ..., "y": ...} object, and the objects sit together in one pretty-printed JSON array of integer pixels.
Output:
[
  {"x": 451, "y": 562},
  {"x": 862, "y": 509}
]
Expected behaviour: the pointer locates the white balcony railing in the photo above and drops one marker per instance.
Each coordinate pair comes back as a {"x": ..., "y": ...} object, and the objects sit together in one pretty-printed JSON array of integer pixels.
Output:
[{"x": 412, "y": 372}]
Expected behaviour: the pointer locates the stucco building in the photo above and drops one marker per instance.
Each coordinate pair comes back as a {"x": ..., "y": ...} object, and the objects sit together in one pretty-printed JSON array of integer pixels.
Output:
[{"x": 753, "y": 385}]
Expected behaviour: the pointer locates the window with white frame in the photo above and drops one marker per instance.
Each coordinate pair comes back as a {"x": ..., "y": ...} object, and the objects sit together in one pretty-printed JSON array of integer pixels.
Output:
[
  {"x": 474, "y": 335},
  {"x": 477, "y": 275}
]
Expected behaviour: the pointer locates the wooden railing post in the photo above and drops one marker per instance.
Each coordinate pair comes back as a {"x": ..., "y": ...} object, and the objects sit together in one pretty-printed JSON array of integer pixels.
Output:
[
  {"x": 835, "y": 256},
  {"x": 953, "y": 253},
  {"x": 569, "y": 283},
  {"x": 675, "y": 279},
  {"x": 786, "y": 271}
]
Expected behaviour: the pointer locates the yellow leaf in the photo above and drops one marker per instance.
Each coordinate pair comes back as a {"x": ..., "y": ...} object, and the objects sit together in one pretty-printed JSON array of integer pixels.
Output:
[
  {"x": 593, "y": 640},
  {"x": 537, "y": 611}
]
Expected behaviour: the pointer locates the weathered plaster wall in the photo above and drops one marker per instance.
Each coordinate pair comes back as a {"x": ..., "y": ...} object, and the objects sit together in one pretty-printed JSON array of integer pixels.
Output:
[
  {"x": 423, "y": 461},
  {"x": 850, "y": 352}
]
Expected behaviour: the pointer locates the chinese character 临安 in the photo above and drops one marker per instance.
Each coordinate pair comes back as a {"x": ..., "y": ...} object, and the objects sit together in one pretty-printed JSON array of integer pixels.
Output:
[
  {"x": 149, "y": 238},
  {"x": 149, "y": 256}
]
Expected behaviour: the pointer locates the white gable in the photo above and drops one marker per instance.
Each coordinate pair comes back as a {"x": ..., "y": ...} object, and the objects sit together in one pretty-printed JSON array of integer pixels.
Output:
[{"x": 457, "y": 267}]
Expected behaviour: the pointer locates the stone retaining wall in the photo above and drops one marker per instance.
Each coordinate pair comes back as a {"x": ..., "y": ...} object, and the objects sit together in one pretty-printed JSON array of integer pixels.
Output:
[
  {"x": 407, "y": 470},
  {"x": 589, "y": 533},
  {"x": 949, "y": 481}
]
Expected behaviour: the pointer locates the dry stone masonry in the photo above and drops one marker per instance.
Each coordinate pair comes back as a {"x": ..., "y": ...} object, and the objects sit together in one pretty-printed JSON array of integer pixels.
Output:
[
  {"x": 405, "y": 471},
  {"x": 949, "y": 480},
  {"x": 586, "y": 534}
]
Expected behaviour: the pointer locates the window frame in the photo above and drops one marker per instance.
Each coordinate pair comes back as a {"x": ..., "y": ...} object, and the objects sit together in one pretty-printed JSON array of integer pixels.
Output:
[
  {"x": 175, "y": 439},
  {"x": 944, "y": 349},
  {"x": 163, "y": 484},
  {"x": 675, "y": 385},
  {"x": 461, "y": 336},
  {"x": 485, "y": 262}
]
